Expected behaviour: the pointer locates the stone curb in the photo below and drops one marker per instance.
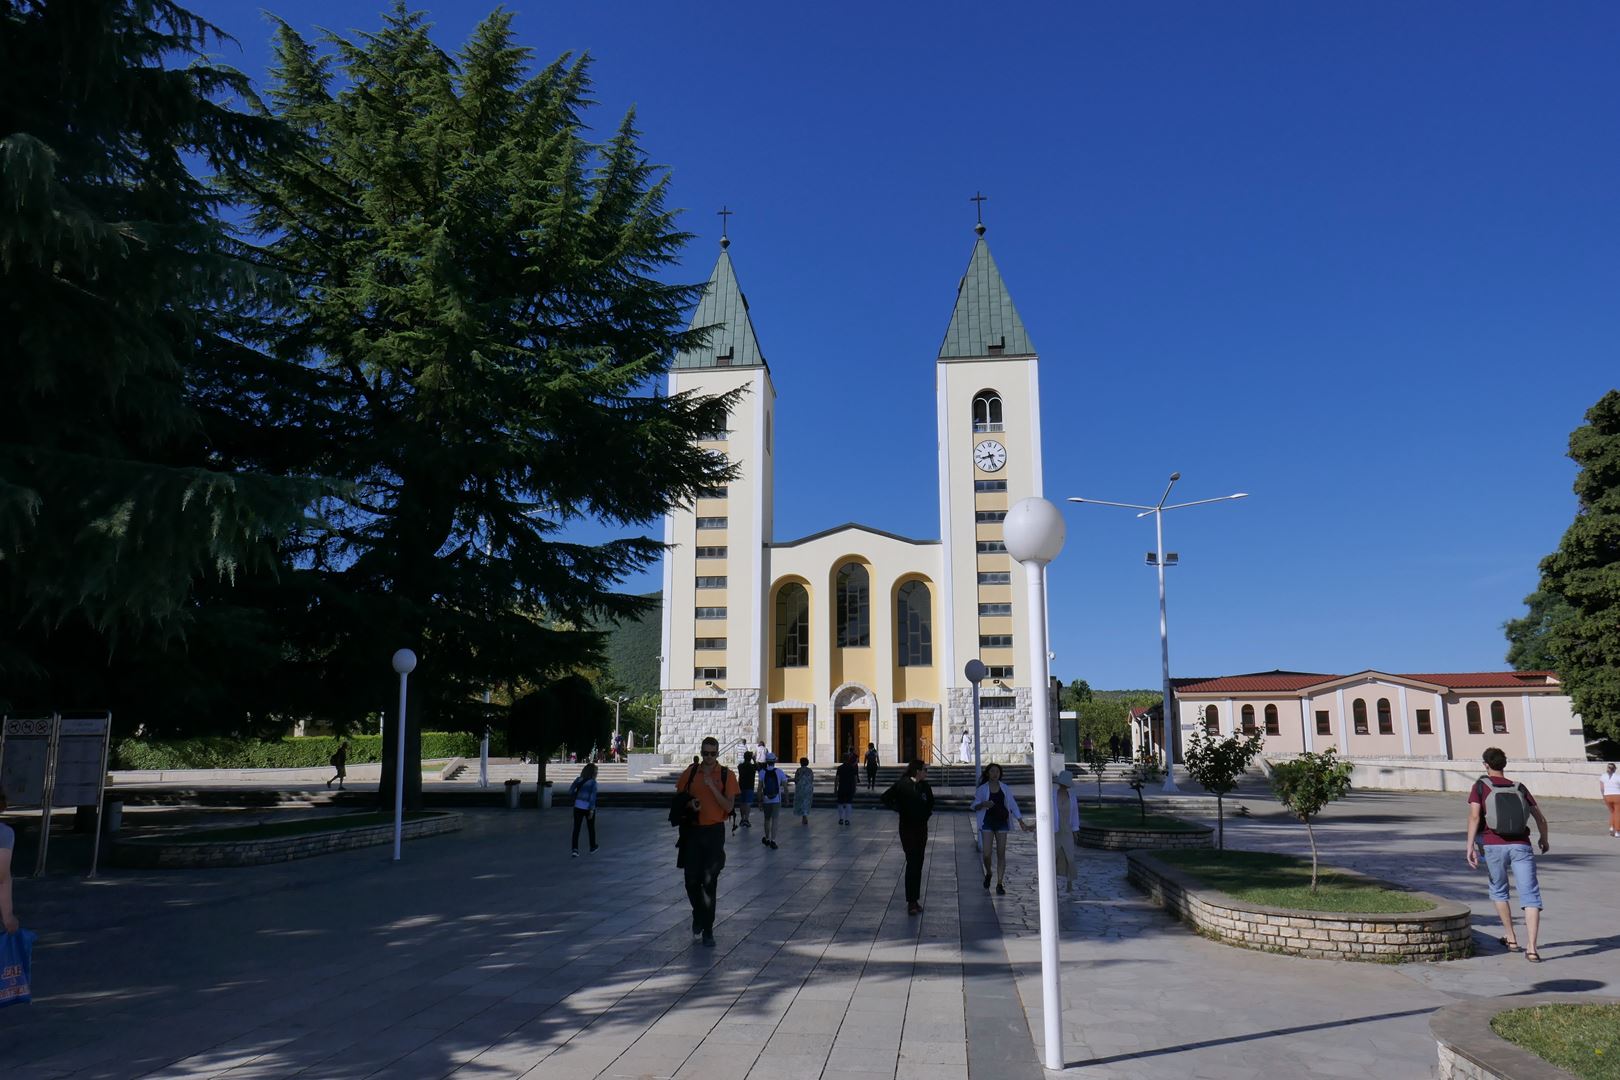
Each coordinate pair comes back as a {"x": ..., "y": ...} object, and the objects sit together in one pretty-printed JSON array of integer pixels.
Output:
[
  {"x": 1441, "y": 933},
  {"x": 1470, "y": 1050},
  {"x": 160, "y": 854},
  {"x": 1199, "y": 836}
]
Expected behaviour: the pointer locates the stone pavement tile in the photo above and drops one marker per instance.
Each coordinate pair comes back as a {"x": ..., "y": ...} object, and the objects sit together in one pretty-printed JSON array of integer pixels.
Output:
[
  {"x": 860, "y": 1061},
  {"x": 953, "y": 1052},
  {"x": 740, "y": 1033},
  {"x": 717, "y": 1062},
  {"x": 807, "y": 1015},
  {"x": 781, "y": 1067},
  {"x": 918, "y": 1070},
  {"x": 573, "y": 1062},
  {"x": 798, "y": 1044}
]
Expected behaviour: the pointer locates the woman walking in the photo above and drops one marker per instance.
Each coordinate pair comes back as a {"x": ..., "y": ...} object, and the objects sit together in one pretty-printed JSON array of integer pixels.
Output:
[
  {"x": 1609, "y": 783},
  {"x": 998, "y": 809},
  {"x": 340, "y": 762},
  {"x": 845, "y": 782},
  {"x": 584, "y": 791},
  {"x": 804, "y": 789}
]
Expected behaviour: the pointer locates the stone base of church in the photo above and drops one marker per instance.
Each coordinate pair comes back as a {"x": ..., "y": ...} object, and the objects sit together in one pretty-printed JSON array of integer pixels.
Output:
[
  {"x": 682, "y": 728},
  {"x": 1003, "y": 733}
]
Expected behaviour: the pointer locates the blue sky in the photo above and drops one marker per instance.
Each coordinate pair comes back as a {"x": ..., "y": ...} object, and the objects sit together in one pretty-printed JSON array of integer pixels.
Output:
[{"x": 1358, "y": 260}]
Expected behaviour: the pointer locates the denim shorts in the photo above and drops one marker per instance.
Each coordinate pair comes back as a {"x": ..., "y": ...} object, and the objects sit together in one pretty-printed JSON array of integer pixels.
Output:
[{"x": 1499, "y": 859}]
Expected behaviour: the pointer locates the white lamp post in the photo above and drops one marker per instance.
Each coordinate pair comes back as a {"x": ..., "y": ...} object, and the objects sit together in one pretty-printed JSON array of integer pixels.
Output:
[
  {"x": 1034, "y": 535},
  {"x": 1158, "y": 559},
  {"x": 404, "y": 664},
  {"x": 617, "y": 701}
]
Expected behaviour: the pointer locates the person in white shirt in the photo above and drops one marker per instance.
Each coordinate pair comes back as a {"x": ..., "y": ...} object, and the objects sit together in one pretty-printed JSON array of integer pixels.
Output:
[
  {"x": 966, "y": 754},
  {"x": 997, "y": 808},
  {"x": 1065, "y": 823},
  {"x": 1609, "y": 784}
]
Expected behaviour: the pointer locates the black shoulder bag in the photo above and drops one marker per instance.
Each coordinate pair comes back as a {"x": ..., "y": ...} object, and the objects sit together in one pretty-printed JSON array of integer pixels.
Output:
[{"x": 681, "y": 813}]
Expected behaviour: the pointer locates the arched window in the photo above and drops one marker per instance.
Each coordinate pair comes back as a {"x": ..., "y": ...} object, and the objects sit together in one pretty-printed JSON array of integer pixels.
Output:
[
  {"x": 1212, "y": 720},
  {"x": 914, "y": 626},
  {"x": 987, "y": 411},
  {"x": 1498, "y": 719},
  {"x": 793, "y": 626},
  {"x": 1358, "y": 711},
  {"x": 1474, "y": 725},
  {"x": 854, "y": 606},
  {"x": 1248, "y": 719},
  {"x": 1272, "y": 726},
  {"x": 1386, "y": 722}
]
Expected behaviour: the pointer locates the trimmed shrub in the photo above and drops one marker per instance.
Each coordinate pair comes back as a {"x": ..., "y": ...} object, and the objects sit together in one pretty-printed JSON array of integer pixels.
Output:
[{"x": 304, "y": 752}]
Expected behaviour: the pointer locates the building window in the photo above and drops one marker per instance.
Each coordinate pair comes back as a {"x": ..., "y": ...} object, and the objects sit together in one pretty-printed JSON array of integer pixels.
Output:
[
  {"x": 716, "y": 436},
  {"x": 1323, "y": 726},
  {"x": 793, "y": 626},
  {"x": 715, "y": 582},
  {"x": 998, "y": 702},
  {"x": 914, "y": 625},
  {"x": 998, "y": 671},
  {"x": 1248, "y": 719},
  {"x": 989, "y": 517},
  {"x": 1272, "y": 726},
  {"x": 1358, "y": 711},
  {"x": 1498, "y": 719},
  {"x": 708, "y": 704},
  {"x": 709, "y": 643},
  {"x": 708, "y": 673},
  {"x": 1475, "y": 725},
  {"x": 992, "y": 547},
  {"x": 989, "y": 485},
  {"x": 711, "y": 522},
  {"x": 995, "y": 577},
  {"x": 995, "y": 641},
  {"x": 712, "y": 552},
  {"x": 710, "y": 613},
  {"x": 854, "y": 607},
  {"x": 712, "y": 492},
  {"x": 1212, "y": 720},
  {"x": 991, "y": 610},
  {"x": 1386, "y": 722},
  {"x": 987, "y": 411},
  {"x": 1424, "y": 726}
]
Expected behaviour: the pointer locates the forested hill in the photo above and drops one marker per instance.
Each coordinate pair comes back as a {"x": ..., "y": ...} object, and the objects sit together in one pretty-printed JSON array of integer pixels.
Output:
[{"x": 632, "y": 649}]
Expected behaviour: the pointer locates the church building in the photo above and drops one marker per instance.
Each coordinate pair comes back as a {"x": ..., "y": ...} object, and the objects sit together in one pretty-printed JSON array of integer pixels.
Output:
[{"x": 821, "y": 644}]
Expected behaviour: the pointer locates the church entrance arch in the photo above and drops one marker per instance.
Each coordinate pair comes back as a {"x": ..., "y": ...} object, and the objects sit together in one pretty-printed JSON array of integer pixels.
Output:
[{"x": 854, "y": 708}]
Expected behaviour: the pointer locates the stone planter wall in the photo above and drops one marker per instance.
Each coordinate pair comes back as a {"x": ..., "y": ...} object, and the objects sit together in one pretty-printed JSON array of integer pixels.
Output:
[
  {"x": 1470, "y": 1050},
  {"x": 194, "y": 854},
  {"x": 1441, "y": 933},
  {"x": 1131, "y": 839}
]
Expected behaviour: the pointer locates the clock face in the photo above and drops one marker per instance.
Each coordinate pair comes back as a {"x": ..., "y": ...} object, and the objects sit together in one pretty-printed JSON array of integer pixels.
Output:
[{"x": 990, "y": 455}]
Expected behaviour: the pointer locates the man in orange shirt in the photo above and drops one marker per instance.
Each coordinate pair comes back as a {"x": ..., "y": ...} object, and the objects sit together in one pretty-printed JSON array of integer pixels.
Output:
[{"x": 703, "y": 846}]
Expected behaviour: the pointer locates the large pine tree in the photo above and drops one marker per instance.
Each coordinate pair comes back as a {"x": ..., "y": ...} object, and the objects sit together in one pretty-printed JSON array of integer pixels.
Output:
[
  {"x": 118, "y": 288},
  {"x": 479, "y": 315},
  {"x": 1574, "y": 622}
]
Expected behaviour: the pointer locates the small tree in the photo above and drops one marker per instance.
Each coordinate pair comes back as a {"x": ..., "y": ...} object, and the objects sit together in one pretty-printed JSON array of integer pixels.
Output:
[
  {"x": 1216, "y": 762},
  {"x": 1306, "y": 785},
  {"x": 564, "y": 711},
  {"x": 1143, "y": 774},
  {"x": 1097, "y": 763}
]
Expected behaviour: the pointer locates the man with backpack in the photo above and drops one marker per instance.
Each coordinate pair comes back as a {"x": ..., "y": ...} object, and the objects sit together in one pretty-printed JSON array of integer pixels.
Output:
[
  {"x": 1499, "y": 815},
  {"x": 771, "y": 782},
  {"x": 705, "y": 795}
]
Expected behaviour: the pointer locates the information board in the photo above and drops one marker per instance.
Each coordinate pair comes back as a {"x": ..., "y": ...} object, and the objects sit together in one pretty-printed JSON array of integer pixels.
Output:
[
  {"x": 81, "y": 765},
  {"x": 24, "y": 752}
]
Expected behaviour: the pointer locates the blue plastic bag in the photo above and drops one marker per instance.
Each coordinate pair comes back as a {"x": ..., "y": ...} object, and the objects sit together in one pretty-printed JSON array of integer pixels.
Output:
[{"x": 16, "y": 959}]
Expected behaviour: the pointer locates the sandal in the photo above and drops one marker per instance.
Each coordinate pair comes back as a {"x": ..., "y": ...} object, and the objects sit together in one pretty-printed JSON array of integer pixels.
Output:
[
  {"x": 1534, "y": 958},
  {"x": 1510, "y": 946}
]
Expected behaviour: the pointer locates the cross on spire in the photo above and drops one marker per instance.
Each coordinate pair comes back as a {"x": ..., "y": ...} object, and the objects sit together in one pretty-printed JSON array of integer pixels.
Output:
[
  {"x": 978, "y": 205},
  {"x": 724, "y": 213}
]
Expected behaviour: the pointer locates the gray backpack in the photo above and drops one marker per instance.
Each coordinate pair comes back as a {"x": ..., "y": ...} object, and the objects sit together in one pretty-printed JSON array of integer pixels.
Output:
[{"x": 1507, "y": 811}]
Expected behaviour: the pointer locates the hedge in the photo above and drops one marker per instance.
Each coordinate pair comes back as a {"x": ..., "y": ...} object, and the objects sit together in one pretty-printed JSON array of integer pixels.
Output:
[{"x": 304, "y": 752}]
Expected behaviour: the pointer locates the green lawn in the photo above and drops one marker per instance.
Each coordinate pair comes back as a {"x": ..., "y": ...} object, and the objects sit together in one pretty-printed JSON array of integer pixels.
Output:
[
  {"x": 1284, "y": 881},
  {"x": 297, "y": 827},
  {"x": 1582, "y": 1039},
  {"x": 1115, "y": 816}
]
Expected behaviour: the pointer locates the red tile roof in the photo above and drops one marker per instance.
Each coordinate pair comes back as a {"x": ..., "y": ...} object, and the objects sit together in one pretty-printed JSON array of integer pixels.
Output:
[{"x": 1284, "y": 681}]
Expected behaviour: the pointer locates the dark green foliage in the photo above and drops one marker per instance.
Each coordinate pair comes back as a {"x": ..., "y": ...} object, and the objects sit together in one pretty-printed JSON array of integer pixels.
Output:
[
  {"x": 1142, "y": 774},
  {"x": 305, "y": 752},
  {"x": 479, "y": 326},
  {"x": 1097, "y": 763},
  {"x": 124, "y": 522},
  {"x": 1306, "y": 785},
  {"x": 1574, "y": 622},
  {"x": 1215, "y": 763},
  {"x": 565, "y": 712},
  {"x": 631, "y": 649}
]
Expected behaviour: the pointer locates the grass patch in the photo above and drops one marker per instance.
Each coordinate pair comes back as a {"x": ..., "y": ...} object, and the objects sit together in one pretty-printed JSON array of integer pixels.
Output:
[
  {"x": 1129, "y": 817},
  {"x": 1582, "y": 1039},
  {"x": 271, "y": 830},
  {"x": 1284, "y": 881}
]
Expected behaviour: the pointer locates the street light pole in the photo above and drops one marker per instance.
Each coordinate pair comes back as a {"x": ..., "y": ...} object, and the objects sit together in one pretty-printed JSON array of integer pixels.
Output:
[
  {"x": 1034, "y": 535},
  {"x": 404, "y": 664},
  {"x": 1158, "y": 511}
]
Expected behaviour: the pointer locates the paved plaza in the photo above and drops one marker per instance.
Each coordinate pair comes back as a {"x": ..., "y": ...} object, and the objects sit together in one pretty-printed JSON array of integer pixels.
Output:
[{"x": 490, "y": 953}]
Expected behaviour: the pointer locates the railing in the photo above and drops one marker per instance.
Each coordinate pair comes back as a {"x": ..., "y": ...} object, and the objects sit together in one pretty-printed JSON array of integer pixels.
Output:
[{"x": 947, "y": 769}]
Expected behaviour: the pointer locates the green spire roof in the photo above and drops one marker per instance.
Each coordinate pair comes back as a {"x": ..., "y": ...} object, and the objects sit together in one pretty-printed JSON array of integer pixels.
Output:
[
  {"x": 725, "y": 310},
  {"x": 985, "y": 323}
]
